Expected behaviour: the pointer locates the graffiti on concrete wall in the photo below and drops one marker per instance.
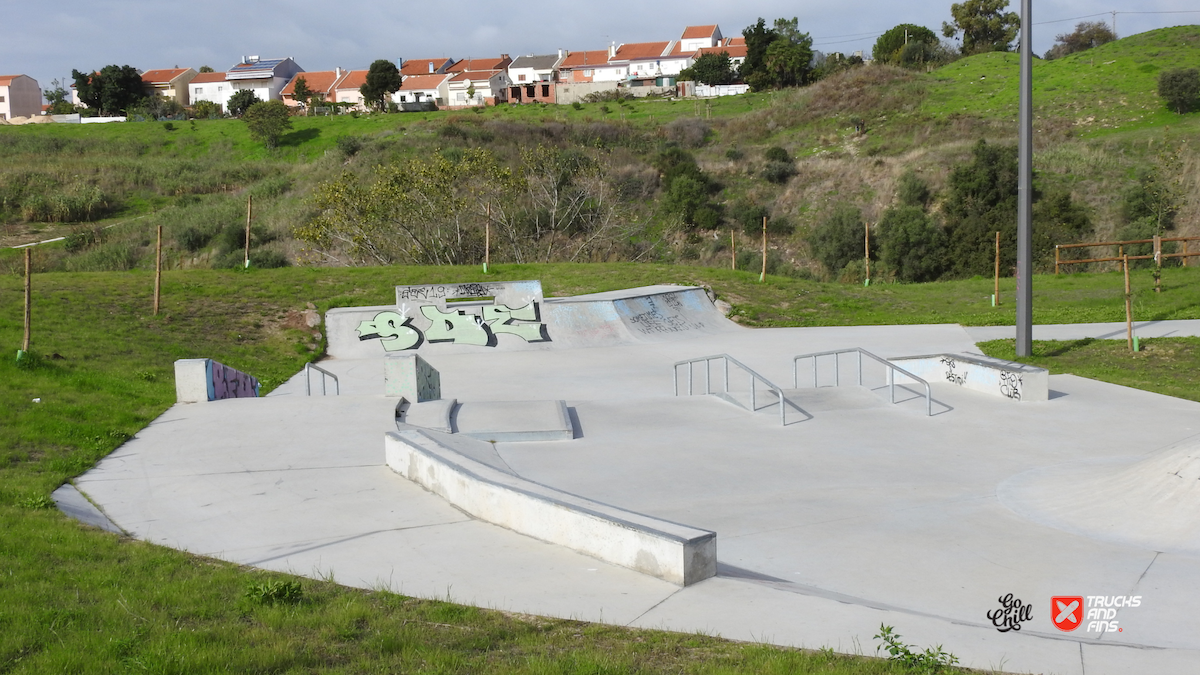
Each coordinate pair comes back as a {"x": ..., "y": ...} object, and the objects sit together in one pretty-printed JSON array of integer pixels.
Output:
[
  {"x": 229, "y": 383},
  {"x": 655, "y": 320},
  {"x": 456, "y": 326},
  {"x": 442, "y": 292},
  {"x": 1010, "y": 384},
  {"x": 951, "y": 374}
]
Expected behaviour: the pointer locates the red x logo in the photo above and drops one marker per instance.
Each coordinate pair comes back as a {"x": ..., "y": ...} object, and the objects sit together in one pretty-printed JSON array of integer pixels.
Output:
[{"x": 1066, "y": 611}]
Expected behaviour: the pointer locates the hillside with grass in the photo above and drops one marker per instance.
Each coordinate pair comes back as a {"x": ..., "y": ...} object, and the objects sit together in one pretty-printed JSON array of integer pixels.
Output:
[{"x": 795, "y": 156}]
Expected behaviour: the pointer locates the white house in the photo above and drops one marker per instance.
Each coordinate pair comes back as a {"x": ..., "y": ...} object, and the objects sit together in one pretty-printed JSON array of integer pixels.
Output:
[
  {"x": 424, "y": 88},
  {"x": 265, "y": 77},
  {"x": 613, "y": 69},
  {"x": 20, "y": 96},
  {"x": 212, "y": 87},
  {"x": 477, "y": 87},
  {"x": 170, "y": 83},
  {"x": 699, "y": 37}
]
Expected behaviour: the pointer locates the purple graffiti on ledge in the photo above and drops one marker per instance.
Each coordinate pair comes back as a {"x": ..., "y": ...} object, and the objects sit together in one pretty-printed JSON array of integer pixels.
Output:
[{"x": 225, "y": 382}]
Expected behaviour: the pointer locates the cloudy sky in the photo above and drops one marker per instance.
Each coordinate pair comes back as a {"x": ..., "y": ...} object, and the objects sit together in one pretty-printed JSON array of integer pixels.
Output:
[{"x": 45, "y": 41}]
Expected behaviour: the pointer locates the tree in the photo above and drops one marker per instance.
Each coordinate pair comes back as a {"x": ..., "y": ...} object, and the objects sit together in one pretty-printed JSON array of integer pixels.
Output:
[
  {"x": 241, "y": 101},
  {"x": 889, "y": 46},
  {"x": 383, "y": 78},
  {"x": 1087, "y": 34},
  {"x": 111, "y": 91},
  {"x": 838, "y": 240},
  {"x": 911, "y": 244},
  {"x": 758, "y": 39},
  {"x": 59, "y": 100},
  {"x": 206, "y": 69},
  {"x": 1179, "y": 88},
  {"x": 711, "y": 69},
  {"x": 788, "y": 64},
  {"x": 301, "y": 92},
  {"x": 982, "y": 200},
  {"x": 985, "y": 27},
  {"x": 267, "y": 121}
]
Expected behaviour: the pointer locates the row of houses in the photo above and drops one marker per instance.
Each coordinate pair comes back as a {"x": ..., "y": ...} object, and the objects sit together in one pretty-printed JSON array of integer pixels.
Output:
[{"x": 562, "y": 77}]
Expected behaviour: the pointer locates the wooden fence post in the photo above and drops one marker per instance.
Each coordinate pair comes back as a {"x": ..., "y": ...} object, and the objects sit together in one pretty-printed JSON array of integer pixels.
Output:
[
  {"x": 1128, "y": 305},
  {"x": 249, "y": 210},
  {"x": 867, "y": 252},
  {"x": 28, "y": 298},
  {"x": 996, "y": 285},
  {"x": 1158, "y": 263},
  {"x": 763, "y": 276},
  {"x": 1056, "y": 260},
  {"x": 487, "y": 239},
  {"x": 157, "y": 270},
  {"x": 733, "y": 250}
]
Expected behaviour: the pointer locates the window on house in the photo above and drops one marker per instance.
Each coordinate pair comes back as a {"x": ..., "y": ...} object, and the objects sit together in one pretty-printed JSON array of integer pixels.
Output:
[
  {"x": 545, "y": 90},
  {"x": 521, "y": 78},
  {"x": 587, "y": 73},
  {"x": 462, "y": 96},
  {"x": 1, "y": 99},
  {"x": 403, "y": 99},
  {"x": 220, "y": 88}
]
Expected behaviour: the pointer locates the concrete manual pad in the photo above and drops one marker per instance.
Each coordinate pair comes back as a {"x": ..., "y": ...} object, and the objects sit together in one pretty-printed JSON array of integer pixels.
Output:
[
  {"x": 497, "y": 421},
  {"x": 859, "y": 514}
]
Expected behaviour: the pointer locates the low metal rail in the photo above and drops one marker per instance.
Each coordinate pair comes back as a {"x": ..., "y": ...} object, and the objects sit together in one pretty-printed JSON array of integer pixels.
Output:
[
  {"x": 837, "y": 374},
  {"x": 727, "y": 359},
  {"x": 308, "y": 368}
]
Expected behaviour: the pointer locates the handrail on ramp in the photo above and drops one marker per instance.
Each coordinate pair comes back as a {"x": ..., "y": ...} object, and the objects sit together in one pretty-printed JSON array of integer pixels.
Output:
[
  {"x": 754, "y": 377},
  {"x": 837, "y": 376},
  {"x": 308, "y": 368}
]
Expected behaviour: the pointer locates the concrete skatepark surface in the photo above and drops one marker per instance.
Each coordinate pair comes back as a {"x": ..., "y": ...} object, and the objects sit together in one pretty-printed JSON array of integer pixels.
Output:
[{"x": 857, "y": 513}]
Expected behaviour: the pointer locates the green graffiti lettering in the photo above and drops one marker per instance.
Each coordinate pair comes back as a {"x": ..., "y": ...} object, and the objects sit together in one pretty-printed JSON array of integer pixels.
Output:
[
  {"x": 392, "y": 329},
  {"x": 456, "y": 327}
]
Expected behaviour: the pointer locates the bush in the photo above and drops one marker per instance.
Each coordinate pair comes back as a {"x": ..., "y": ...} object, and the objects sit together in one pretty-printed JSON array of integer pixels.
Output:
[
  {"x": 268, "y": 259},
  {"x": 911, "y": 244},
  {"x": 241, "y": 101},
  {"x": 913, "y": 191},
  {"x": 206, "y": 110},
  {"x": 689, "y": 132},
  {"x": 349, "y": 145},
  {"x": 778, "y": 172},
  {"x": 734, "y": 154},
  {"x": 193, "y": 238},
  {"x": 1180, "y": 88},
  {"x": 749, "y": 216},
  {"x": 267, "y": 121},
  {"x": 83, "y": 238},
  {"x": 577, "y": 105},
  {"x": 777, "y": 154},
  {"x": 839, "y": 238}
]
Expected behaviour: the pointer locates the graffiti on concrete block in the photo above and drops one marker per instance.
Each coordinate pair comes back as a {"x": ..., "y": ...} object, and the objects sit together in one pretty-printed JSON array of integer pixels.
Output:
[
  {"x": 655, "y": 321},
  {"x": 396, "y": 331},
  {"x": 230, "y": 383},
  {"x": 1010, "y": 384},
  {"x": 951, "y": 374},
  {"x": 456, "y": 326}
]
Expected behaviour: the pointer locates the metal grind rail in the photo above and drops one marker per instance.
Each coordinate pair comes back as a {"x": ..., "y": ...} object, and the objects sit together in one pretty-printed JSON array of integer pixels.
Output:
[
  {"x": 837, "y": 373},
  {"x": 308, "y": 368},
  {"x": 727, "y": 359}
]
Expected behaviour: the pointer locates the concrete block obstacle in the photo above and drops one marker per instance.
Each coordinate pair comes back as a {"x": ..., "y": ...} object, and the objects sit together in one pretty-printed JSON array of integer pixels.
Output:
[
  {"x": 676, "y": 553},
  {"x": 410, "y": 376},
  {"x": 512, "y": 421},
  {"x": 1016, "y": 381},
  {"x": 199, "y": 380}
]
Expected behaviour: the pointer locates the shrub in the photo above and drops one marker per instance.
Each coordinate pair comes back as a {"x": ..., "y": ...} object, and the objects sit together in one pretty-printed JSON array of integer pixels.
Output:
[
  {"x": 1180, "y": 88},
  {"x": 778, "y": 172},
  {"x": 839, "y": 238},
  {"x": 267, "y": 121},
  {"x": 206, "y": 110},
  {"x": 241, "y": 101},
  {"x": 734, "y": 154},
  {"x": 913, "y": 191},
  {"x": 81, "y": 239},
  {"x": 911, "y": 244},
  {"x": 350, "y": 145},
  {"x": 577, "y": 105},
  {"x": 777, "y": 154},
  {"x": 193, "y": 238},
  {"x": 749, "y": 216},
  {"x": 689, "y": 132},
  {"x": 268, "y": 259}
]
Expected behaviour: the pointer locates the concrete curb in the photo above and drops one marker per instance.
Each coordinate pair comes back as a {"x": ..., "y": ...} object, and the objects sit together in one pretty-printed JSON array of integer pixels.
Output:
[{"x": 676, "y": 553}]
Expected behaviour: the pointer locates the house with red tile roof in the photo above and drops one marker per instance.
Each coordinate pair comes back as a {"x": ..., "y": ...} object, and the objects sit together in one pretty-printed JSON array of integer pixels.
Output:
[
  {"x": 20, "y": 96},
  {"x": 322, "y": 82},
  {"x": 581, "y": 66},
  {"x": 533, "y": 77},
  {"x": 170, "y": 83},
  {"x": 418, "y": 92},
  {"x": 736, "y": 53},
  {"x": 477, "y": 87},
  {"x": 425, "y": 66},
  {"x": 346, "y": 90},
  {"x": 212, "y": 87},
  {"x": 474, "y": 64},
  {"x": 699, "y": 37},
  {"x": 265, "y": 77}
]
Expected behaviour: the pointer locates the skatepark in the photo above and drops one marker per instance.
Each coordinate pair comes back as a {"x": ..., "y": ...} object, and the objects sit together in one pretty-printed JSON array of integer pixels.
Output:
[{"x": 636, "y": 458}]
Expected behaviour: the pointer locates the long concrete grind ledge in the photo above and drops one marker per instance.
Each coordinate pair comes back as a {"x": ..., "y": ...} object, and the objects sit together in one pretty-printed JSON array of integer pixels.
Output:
[{"x": 672, "y": 552}]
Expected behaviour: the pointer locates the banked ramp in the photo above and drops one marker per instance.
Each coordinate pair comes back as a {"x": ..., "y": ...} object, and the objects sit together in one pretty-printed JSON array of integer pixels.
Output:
[{"x": 514, "y": 315}]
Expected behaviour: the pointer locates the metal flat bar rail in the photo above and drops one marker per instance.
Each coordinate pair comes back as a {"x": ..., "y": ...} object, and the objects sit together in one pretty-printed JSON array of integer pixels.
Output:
[
  {"x": 837, "y": 376},
  {"x": 727, "y": 359},
  {"x": 308, "y": 368}
]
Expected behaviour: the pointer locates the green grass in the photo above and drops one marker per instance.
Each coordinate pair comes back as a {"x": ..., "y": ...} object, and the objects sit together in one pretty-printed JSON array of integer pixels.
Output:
[
  {"x": 1163, "y": 365},
  {"x": 1111, "y": 87}
]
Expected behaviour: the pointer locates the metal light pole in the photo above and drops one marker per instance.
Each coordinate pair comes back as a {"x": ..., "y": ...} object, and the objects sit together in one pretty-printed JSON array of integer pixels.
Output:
[{"x": 1025, "y": 189}]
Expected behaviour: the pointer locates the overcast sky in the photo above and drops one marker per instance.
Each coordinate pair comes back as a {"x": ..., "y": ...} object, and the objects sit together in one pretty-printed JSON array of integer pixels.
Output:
[{"x": 45, "y": 41}]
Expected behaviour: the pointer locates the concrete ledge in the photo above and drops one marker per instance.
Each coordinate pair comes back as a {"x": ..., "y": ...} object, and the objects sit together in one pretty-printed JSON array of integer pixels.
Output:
[
  {"x": 198, "y": 380},
  {"x": 1015, "y": 381},
  {"x": 676, "y": 553},
  {"x": 513, "y": 421}
]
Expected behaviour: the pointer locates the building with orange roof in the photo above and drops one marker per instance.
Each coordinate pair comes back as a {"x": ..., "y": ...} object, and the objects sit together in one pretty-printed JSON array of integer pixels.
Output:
[
  {"x": 413, "y": 67},
  {"x": 476, "y": 88},
  {"x": 20, "y": 96},
  {"x": 320, "y": 82},
  {"x": 480, "y": 64},
  {"x": 419, "y": 92},
  {"x": 211, "y": 87},
  {"x": 347, "y": 89},
  {"x": 699, "y": 37},
  {"x": 736, "y": 53},
  {"x": 169, "y": 83},
  {"x": 581, "y": 66}
]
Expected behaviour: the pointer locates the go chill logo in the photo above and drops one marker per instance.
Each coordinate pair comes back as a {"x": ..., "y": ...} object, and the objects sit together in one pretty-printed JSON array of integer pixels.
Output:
[{"x": 1098, "y": 613}]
